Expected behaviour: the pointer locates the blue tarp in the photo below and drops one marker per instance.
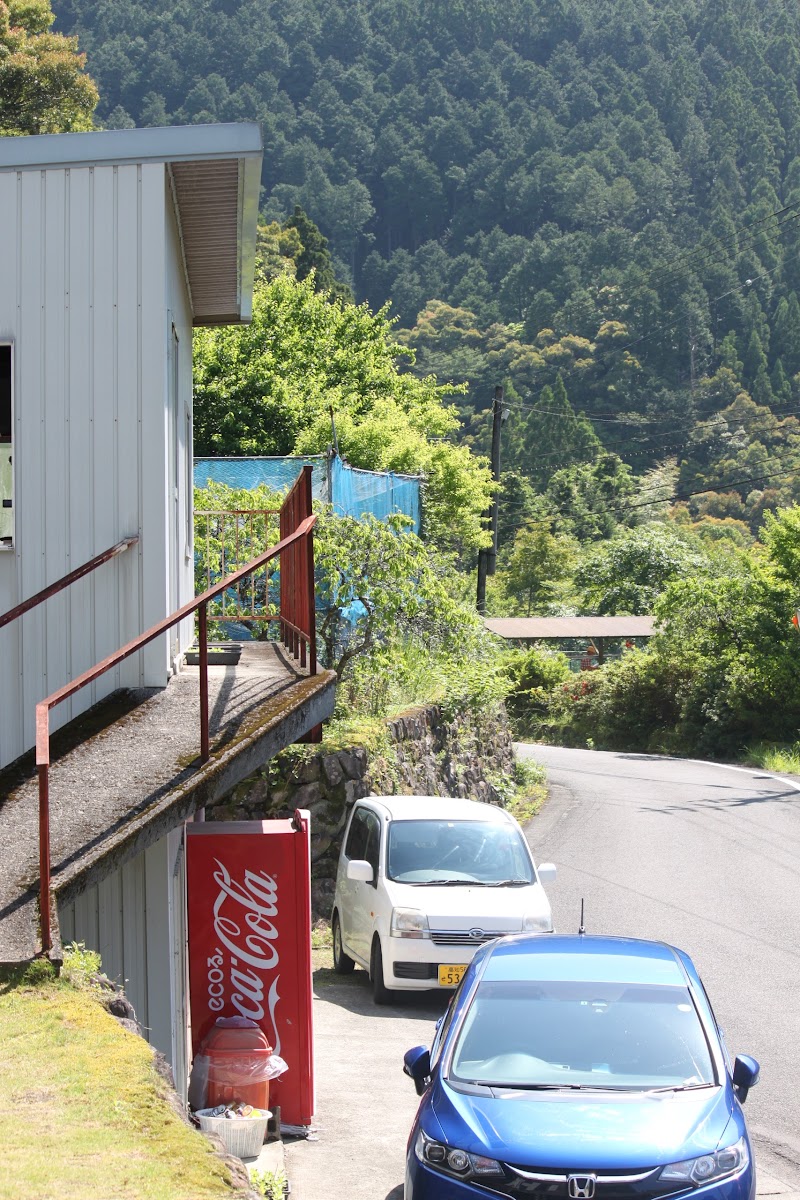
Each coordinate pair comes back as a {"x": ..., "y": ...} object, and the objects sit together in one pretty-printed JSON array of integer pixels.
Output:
[{"x": 351, "y": 491}]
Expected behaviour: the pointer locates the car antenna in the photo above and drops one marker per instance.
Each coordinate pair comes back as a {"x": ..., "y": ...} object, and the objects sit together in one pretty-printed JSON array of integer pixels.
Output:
[{"x": 581, "y": 930}]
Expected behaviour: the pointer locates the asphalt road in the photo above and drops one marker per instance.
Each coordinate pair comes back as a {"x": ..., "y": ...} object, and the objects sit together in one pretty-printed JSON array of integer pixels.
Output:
[
  {"x": 705, "y": 857},
  {"x": 696, "y": 854}
]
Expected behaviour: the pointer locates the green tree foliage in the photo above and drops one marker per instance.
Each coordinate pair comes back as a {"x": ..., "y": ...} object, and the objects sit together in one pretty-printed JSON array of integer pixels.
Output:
[
  {"x": 43, "y": 85},
  {"x": 628, "y": 573},
  {"x": 267, "y": 388},
  {"x": 378, "y": 587},
  {"x": 537, "y": 562},
  {"x": 313, "y": 259}
]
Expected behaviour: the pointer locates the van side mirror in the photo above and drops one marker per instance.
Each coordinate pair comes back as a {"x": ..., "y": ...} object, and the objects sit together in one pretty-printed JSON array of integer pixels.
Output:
[
  {"x": 360, "y": 870},
  {"x": 745, "y": 1075},
  {"x": 417, "y": 1065},
  {"x": 546, "y": 872}
]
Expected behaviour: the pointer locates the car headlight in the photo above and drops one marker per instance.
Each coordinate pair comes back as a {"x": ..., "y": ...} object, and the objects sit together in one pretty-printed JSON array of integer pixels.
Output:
[
  {"x": 409, "y": 923},
  {"x": 453, "y": 1161},
  {"x": 537, "y": 923},
  {"x": 708, "y": 1167}
]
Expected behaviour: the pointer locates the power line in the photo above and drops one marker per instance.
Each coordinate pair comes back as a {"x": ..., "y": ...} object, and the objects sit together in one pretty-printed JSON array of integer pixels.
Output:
[{"x": 674, "y": 498}]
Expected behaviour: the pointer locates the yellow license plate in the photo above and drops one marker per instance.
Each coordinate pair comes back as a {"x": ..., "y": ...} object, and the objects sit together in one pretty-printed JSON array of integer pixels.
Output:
[{"x": 450, "y": 975}]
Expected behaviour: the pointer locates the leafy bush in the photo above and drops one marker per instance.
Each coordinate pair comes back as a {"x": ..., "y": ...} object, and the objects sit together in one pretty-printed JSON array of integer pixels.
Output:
[
  {"x": 626, "y": 705},
  {"x": 534, "y": 676}
]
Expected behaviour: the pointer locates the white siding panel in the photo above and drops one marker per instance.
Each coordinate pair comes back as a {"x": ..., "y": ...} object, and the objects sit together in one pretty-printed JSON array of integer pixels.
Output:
[
  {"x": 30, "y": 449},
  {"x": 128, "y": 382},
  {"x": 134, "y": 946},
  {"x": 66, "y": 922},
  {"x": 155, "y": 576},
  {"x": 109, "y": 894},
  {"x": 79, "y": 496},
  {"x": 158, "y": 885},
  {"x": 54, "y": 407},
  {"x": 104, "y": 448},
  {"x": 87, "y": 924},
  {"x": 180, "y": 315},
  {"x": 11, "y": 741}
]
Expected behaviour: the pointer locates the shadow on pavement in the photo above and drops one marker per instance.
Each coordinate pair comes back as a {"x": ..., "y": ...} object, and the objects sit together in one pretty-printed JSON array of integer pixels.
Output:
[
  {"x": 352, "y": 992},
  {"x": 395, "y": 1193}
]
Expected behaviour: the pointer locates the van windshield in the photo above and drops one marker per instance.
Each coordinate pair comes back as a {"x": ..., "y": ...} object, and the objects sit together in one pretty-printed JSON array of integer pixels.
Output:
[{"x": 439, "y": 853}]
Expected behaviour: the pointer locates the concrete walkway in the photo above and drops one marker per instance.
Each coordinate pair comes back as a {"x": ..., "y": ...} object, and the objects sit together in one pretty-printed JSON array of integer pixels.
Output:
[{"x": 127, "y": 771}]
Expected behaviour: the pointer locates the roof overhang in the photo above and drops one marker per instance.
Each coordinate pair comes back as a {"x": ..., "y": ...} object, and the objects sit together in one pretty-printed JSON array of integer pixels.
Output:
[
  {"x": 215, "y": 174},
  {"x": 526, "y": 628}
]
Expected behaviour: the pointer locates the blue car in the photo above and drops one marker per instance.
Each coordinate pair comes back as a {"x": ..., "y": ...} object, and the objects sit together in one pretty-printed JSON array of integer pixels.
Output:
[{"x": 579, "y": 1068}]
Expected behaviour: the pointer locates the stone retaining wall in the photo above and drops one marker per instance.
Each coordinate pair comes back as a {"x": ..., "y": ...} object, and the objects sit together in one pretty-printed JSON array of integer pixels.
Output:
[{"x": 423, "y": 754}]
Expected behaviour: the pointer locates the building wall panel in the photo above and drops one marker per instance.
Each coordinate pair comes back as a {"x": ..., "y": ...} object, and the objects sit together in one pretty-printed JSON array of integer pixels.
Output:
[
  {"x": 80, "y": 472},
  {"x": 30, "y": 447},
  {"x": 129, "y": 401},
  {"x": 86, "y": 309},
  {"x": 10, "y": 636},
  {"x": 102, "y": 445},
  {"x": 53, "y": 482}
]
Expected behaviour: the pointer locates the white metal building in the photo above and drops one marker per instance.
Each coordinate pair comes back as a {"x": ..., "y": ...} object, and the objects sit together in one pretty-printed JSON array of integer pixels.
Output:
[{"x": 114, "y": 245}]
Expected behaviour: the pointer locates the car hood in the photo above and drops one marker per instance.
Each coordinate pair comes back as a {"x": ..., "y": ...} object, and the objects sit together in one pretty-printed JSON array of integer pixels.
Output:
[
  {"x": 492, "y": 909},
  {"x": 583, "y": 1131}
]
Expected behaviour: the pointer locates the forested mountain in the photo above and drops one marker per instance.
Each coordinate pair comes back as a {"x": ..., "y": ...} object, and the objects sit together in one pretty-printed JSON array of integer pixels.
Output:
[{"x": 595, "y": 202}]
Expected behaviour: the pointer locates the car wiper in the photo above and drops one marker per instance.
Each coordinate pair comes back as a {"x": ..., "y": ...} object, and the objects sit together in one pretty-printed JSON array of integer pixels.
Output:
[
  {"x": 681, "y": 1087},
  {"x": 451, "y": 883},
  {"x": 509, "y": 883},
  {"x": 529, "y": 1087}
]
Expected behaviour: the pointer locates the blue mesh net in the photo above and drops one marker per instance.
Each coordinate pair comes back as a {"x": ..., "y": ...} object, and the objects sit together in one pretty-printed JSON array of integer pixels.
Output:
[
  {"x": 352, "y": 491},
  {"x": 355, "y": 492},
  {"x": 276, "y": 473}
]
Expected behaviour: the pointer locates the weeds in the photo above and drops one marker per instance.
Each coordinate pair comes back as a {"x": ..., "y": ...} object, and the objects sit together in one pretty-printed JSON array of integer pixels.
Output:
[
  {"x": 783, "y": 759},
  {"x": 269, "y": 1184}
]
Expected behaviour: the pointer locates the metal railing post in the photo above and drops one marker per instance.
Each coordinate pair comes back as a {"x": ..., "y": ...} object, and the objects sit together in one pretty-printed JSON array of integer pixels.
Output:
[
  {"x": 202, "y": 638},
  {"x": 44, "y": 857}
]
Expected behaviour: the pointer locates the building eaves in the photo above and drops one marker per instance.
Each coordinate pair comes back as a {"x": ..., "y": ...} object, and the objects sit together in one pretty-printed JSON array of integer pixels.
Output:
[{"x": 216, "y": 178}]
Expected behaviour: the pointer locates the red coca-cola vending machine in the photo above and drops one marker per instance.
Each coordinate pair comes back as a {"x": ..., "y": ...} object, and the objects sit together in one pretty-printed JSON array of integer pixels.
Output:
[{"x": 249, "y": 905}]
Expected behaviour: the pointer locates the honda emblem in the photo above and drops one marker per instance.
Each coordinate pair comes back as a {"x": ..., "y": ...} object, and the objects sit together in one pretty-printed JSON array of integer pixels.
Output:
[{"x": 581, "y": 1187}]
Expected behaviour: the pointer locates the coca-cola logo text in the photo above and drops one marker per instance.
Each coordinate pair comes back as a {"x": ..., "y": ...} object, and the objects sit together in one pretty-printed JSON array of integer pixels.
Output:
[{"x": 243, "y": 926}]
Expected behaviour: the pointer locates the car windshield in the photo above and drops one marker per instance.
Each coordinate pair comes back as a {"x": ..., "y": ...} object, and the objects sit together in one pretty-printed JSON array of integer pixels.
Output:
[
  {"x": 442, "y": 853},
  {"x": 524, "y": 1034}
]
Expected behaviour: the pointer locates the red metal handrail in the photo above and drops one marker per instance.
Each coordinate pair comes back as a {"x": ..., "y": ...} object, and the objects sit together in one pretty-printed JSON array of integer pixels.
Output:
[
  {"x": 78, "y": 573},
  {"x": 298, "y": 571}
]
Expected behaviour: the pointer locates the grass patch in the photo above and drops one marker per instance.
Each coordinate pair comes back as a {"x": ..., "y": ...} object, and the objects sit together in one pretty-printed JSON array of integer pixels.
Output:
[
  {"x": 82, "y": 1109},
  {"x": 785, "y": 760}
]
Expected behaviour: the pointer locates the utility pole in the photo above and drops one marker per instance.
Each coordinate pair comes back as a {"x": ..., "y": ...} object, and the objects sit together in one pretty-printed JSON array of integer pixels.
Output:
[
  {"x": 497, "y": 418},
  {"x": 487, "y": 559}
]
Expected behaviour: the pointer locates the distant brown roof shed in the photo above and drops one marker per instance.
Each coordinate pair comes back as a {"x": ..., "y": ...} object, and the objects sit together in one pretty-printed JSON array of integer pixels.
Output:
[{"x": 531, "y": 628}]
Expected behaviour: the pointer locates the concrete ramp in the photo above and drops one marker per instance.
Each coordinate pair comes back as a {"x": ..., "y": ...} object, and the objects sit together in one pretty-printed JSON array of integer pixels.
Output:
[{"x": 128, "y": 771}]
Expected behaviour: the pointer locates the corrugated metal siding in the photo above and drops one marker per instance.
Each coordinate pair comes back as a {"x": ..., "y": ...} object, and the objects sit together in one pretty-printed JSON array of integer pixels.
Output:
[{"x": 85, "y": 304}]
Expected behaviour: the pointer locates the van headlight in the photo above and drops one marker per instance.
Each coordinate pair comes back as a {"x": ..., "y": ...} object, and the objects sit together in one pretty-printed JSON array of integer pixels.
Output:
[
  {"x": 708, "y": 1167},
  {"x": 409, "y": 923},
  {"x": 537, "y": 923}
]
